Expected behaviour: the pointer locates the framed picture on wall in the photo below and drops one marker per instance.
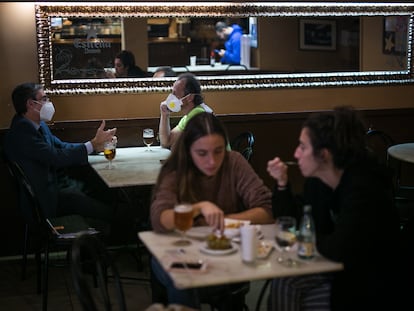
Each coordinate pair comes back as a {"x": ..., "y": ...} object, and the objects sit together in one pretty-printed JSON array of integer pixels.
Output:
[
  {"x": 317, "y": 34},
  {"x": 395, "y": 35}
]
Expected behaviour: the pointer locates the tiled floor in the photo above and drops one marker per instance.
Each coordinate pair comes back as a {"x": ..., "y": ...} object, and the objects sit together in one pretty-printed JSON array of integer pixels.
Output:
[{"x": 16, "y": 294}]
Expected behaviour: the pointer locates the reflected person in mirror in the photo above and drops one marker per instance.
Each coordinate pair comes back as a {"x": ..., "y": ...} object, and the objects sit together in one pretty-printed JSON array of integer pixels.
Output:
[
  {"x": 232, "y": 36},
  {"x": 164, "y": 71},
  {"x": 217, "y": 182},
  {"x": 185, "y": 97},
  {"x": 125, "y": 66},
  {"x": 356, "y": 222},
  {"x": 43, "y": 157}
]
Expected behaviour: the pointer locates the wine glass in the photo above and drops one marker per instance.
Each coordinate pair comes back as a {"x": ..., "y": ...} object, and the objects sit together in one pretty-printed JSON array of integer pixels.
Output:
[
  {"x": 148, "y": 137},
  {"x": 183, "y": 221},
  {"x": 285, "y": 237},
  {"x": 110, "y": 152}
]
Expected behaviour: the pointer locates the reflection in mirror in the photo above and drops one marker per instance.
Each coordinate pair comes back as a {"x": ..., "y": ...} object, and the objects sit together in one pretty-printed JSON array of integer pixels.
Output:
[
  {"x": 82, "y": 48},
  {"x": 282, "y": 45}
]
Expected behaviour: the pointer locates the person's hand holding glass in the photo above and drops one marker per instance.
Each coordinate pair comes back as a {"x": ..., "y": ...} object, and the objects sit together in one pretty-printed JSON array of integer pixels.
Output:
[
  {"x": 110, "y": 152},
  {"x": 183, "y": 221},
  {"x": 285, "y": 238},
  {"x": 148, "y": 137}
]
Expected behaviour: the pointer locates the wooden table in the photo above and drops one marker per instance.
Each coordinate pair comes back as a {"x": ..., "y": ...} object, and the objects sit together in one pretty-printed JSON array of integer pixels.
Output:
[
  {"x": 402, "y": 152},
  {"x": 227, "y": 268},
  {"x": 133, "y": 166}
]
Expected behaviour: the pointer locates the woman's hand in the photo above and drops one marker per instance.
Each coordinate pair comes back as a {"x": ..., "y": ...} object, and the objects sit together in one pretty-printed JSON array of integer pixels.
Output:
[
  {"x": 213, "y": 215},
  {"x": 278, "y": 170}
]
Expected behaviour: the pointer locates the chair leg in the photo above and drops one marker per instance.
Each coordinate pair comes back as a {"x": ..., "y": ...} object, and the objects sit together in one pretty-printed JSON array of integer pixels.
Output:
[
  {"x": 38, "y": 258},
  {"x": 24, "y": 257},
  {"x": 45, "y": 278},
  {"x": 262, "y": 292}
]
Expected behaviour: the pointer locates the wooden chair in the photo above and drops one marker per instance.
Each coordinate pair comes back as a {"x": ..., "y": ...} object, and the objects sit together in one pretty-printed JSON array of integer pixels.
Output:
[
  {"x": 378, "y": 143},
  {"x": 90, "y": 254}
]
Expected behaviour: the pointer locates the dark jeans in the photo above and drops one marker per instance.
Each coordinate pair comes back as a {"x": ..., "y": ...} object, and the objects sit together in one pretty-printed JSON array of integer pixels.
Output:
[{"x": 223, "y": 297}]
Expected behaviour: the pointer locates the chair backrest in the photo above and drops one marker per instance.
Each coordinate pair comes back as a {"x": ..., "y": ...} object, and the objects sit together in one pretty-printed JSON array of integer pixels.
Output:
[
  {"x": 37, "y": 217},
  {"x": 243, "y": 143},
  {"x": 88, "y": 252},
  {"x": 378, "y": 143}
]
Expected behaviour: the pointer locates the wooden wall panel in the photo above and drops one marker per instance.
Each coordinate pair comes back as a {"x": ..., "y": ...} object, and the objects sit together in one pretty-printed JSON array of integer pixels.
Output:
[{"x": 276, "y": 135}]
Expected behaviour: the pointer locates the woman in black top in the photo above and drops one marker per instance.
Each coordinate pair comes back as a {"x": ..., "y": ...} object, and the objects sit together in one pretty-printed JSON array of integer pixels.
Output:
[{"x": 355, "y": 219}]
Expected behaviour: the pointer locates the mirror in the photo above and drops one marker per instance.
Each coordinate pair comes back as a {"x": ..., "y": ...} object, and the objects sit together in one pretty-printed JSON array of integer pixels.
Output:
[{"x": 296, "y": 44}]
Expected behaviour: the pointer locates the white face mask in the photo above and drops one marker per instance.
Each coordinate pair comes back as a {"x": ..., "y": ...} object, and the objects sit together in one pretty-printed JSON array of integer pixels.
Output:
[
  {"x": 173, "y": 103},
  {"x": 47, "y": 111}
]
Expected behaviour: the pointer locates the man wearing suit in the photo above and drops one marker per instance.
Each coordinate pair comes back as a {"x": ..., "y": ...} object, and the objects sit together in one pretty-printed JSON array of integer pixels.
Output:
[{"x": 41, "y": 155}]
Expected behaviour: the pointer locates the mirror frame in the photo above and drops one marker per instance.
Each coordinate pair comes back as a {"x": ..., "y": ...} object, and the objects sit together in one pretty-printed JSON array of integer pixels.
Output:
[{"x": 43, "y": 14}]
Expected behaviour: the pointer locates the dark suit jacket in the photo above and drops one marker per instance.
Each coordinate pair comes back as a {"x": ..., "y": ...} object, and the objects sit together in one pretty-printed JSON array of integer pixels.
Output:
[{"x": 40, "y": 157}]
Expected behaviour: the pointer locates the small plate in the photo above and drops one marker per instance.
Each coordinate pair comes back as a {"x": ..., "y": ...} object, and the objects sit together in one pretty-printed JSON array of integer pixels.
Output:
[
  {"x": 232, "y": 227},
  {"x": 199, "y": 232},
  {"x": 219, "y": 252},
  {"x": 264, "y": 249}
]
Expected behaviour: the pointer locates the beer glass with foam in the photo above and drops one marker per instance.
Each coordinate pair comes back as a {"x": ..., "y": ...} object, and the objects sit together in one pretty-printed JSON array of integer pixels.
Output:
[
  {"x": 183, "y": 220},
  {"x": 110, "y": 152}
]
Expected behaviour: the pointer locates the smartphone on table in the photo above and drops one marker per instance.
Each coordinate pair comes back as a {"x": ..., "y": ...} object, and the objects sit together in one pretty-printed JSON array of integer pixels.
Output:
[{"x": 189, "y": 266}]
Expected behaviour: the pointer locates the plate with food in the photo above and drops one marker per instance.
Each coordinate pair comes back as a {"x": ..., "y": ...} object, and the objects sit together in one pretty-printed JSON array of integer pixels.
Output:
[
  {"x": 218, "y": 245},
  {"x": 264, "y": 249},
  {"x": 232, "y": 226}
]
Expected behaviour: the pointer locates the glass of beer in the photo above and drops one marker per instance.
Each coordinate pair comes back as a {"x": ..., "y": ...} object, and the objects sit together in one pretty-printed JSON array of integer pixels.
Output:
[
  {"x": 183, "y": 220},
  {"x": 109, "y": 152},
  {"x": 148, "y": 137}
]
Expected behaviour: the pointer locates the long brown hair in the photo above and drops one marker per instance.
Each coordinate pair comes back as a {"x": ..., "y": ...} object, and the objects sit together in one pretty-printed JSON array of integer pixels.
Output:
[{"x": 180, "y": 160}]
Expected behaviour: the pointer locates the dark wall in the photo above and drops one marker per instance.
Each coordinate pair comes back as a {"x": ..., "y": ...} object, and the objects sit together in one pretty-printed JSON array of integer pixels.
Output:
[{"x": 276, "y": 135}]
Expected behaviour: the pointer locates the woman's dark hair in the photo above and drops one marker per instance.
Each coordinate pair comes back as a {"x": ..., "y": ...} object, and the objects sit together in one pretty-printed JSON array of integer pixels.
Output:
[
  {"x": 192, "y": 86},
  {"x": 341, "y": 131},
  {"x": 180, "y": 160},
  {"x": 22, "y": 93},
  {"x": 128, "y": 60}
]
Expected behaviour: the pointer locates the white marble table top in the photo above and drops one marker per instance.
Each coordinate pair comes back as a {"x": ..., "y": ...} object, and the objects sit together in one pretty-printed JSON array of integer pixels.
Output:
[
  {"x": 132, "y": 166},
  {"x": 227, "y": 268},
  {"x": 402, "y": 152}
]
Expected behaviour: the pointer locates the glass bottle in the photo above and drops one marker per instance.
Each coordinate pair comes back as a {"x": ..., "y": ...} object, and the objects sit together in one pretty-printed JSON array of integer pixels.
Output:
[
  {"x": 307, "y": 237},
  {"x": 212, "y": 59}
]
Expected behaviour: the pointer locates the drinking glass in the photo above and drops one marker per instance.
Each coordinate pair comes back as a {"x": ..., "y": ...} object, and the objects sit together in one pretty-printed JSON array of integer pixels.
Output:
[
  {"x": 110, "y": 152},
  {"x": 183, "y": 220},
  {"x": 285, "y": 238},
  {"x": 148, "y": 137}
]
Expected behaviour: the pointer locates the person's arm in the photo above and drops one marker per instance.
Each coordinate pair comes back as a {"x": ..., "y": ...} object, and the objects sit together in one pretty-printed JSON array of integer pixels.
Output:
[
  {"x": 163, "y": 202},
  {"x": 257, "y": 215},
  {"x": 255, "y": 195},
  {"x": 232, "y": 53},
  {"x": 167, "y": 135},
  {"x": 283, "y": 201},
  {"x": 101, "y": 137}
]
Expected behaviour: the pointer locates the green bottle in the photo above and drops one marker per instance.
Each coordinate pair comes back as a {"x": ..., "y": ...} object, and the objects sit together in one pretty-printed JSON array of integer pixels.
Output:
[{"x": 306, "y": 237}]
